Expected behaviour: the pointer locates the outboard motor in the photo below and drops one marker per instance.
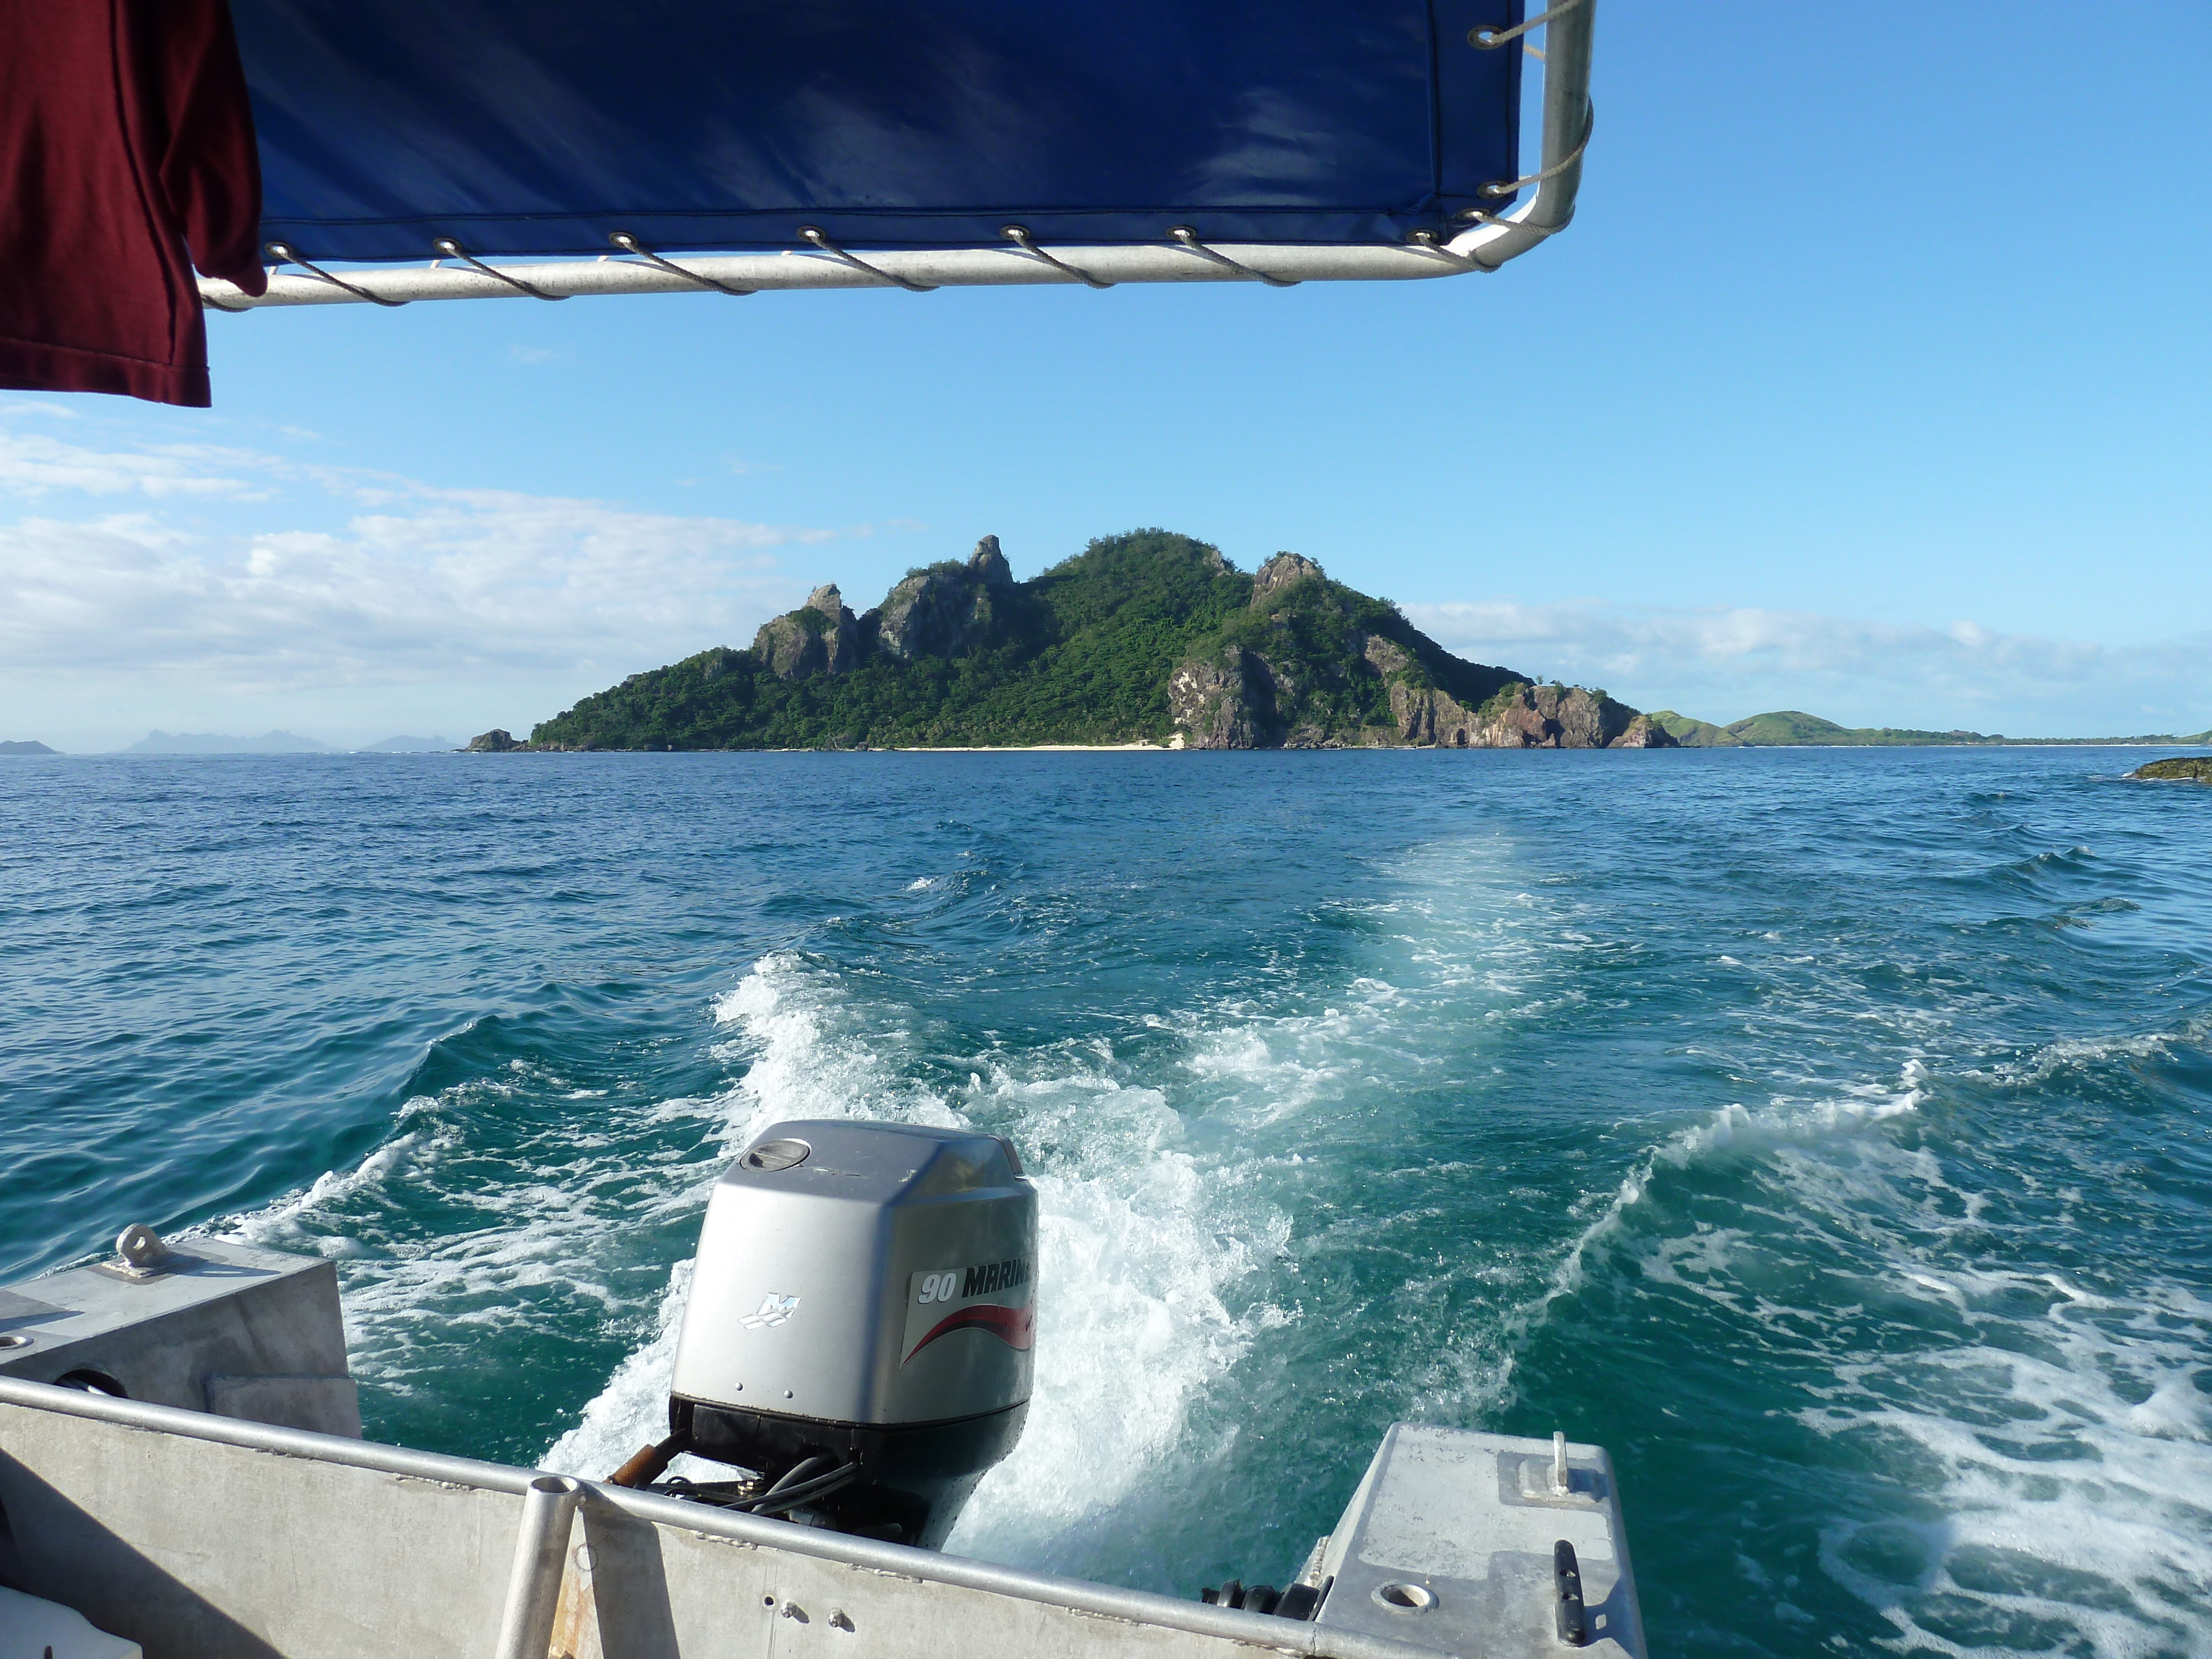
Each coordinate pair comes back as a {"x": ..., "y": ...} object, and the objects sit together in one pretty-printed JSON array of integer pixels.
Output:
[{"x": 859, "y": 1331}]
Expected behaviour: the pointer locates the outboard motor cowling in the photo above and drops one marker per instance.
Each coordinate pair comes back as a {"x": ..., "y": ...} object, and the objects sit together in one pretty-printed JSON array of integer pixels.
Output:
[{"x": 860, "y": 1324}]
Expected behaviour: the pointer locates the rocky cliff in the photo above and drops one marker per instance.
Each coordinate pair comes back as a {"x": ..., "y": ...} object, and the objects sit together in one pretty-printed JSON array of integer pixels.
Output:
[
  {"x": 1315, "y": 665},
  {"x": 1146, "y": 636},
  {"x": 821, "y": 637},
  {"x": 944, "y": 610}
]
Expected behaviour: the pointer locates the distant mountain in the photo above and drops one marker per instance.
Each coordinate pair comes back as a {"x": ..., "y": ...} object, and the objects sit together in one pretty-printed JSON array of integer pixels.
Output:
[
  {"x": 1147, "y": 637},
  {"x": 408, "y": 746},
  {"x": 27, "y": 749},
  {"x": 1787, "y": 727},
  {"x": 1695, "y": 734},
  {"x": 205, "y": 742},
  {"x": 1792, "y": 727},
  {"x": 2203, "y": 739}
]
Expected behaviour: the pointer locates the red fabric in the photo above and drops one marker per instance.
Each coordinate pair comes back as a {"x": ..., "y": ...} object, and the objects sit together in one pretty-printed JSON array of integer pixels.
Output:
[{"x": 126, "y": 156}]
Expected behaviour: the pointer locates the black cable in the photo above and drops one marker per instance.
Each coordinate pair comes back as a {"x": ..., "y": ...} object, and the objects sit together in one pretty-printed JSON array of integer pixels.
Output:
[
  {"x": 797, "y": 1473},
  {"x": 772, "y": 1503},
  {"x": 781, "y": 1497}
]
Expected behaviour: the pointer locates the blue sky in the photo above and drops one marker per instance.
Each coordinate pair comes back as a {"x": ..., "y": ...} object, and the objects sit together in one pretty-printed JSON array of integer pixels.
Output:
[{"x": 1872, "y": 379}]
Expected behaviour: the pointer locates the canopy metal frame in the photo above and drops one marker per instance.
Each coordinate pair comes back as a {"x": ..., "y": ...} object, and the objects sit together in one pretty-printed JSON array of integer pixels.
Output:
[{"x": 1488, "y": 242}]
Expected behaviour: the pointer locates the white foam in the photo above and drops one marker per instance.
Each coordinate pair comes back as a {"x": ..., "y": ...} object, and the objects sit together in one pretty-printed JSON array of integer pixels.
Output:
[
  {"x": 2073, "y": 1053},
  {"x": 285, "y": 1224},
  {"x": 632, "y": 1411},
  {"x": 509, "y": 1244},
  {"x": 1735, "y": 1129},
  {"x": 2043, "y": 1450},
  {"x": 2072, "y": 1494},
  {"x": 1139, "y": 1243}
]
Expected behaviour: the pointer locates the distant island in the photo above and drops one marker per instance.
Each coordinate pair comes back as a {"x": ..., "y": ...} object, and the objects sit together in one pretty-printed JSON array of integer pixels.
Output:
[
  {"x": 1789, "y": 727},
  {"x": 209, "y": 743},
  {"x": 276, "y": 743},
  {"x": 1148, "y": 638},
  {"x": 27, "y": 749}
]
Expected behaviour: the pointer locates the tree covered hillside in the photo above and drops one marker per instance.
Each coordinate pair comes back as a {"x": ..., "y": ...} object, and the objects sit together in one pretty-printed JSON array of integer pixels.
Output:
[{"x": 1147, "y": 636}]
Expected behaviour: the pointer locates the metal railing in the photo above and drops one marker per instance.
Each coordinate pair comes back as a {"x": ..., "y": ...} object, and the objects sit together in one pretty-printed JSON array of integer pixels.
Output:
[{"x": 551, "y": 1501}]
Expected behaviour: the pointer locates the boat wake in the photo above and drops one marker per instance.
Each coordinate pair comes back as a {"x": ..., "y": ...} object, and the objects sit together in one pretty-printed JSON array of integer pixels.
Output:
[{"x": 1138, "y": 1251}]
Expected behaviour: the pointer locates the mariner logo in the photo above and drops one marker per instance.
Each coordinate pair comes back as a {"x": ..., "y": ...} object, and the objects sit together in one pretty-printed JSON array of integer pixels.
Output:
[
  {"x": 947, "y": 1301},
  {"x": 957, "y": 1284},
  {"x": 775, "y": 1308}
]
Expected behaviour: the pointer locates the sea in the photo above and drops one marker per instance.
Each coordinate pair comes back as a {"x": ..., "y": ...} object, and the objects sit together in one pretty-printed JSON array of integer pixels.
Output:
[{"x": 1826, "y": 1132}]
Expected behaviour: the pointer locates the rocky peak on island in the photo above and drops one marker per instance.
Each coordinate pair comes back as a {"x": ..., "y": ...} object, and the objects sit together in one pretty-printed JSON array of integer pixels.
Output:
[
  {"x": 1280, "y": 573},
  {"x": 940, "y": 610},
  {"x": 990, "y": 565},
  {"x": 1147, "y": 636},
  {"x": 821, "y": 637}
]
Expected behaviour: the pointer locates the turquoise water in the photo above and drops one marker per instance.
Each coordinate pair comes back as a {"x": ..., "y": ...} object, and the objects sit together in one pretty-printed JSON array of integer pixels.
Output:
[{"x": 1825, "y": 1132}]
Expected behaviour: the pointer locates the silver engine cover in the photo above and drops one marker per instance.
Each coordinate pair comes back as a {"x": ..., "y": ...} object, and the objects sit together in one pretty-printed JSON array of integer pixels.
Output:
[{"x": 869, "y": 1273}]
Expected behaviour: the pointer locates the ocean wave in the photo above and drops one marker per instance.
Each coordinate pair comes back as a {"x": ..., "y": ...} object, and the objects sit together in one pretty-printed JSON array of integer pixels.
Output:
[
  {"x": 485, "y": 1217},
  {"x": 2065, "y": 1474},
  {"x": 631, "y": 1411},
  {"x": 1733, "y": 1131},
  {"x": 302, "y": 1221},
  {"x": 2090, "y": 1054},
  {"x": 2002, "y": 1456}
]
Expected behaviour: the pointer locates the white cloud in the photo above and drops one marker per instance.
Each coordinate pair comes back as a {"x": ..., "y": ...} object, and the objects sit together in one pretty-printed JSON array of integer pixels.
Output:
[
  {"x": 34, "y": 466},
  {"x": 1724, "y": 663},
  {"x": 419, "y": 584}
]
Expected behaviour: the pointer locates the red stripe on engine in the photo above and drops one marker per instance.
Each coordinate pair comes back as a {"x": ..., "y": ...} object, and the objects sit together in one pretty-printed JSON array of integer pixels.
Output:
[{"x": 1015, "y": 1327}]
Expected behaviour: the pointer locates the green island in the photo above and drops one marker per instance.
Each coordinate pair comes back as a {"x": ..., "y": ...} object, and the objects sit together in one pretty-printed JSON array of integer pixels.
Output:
[
  {"x": 1792, "y": 727},
  {"x": 1147, "y": 638}
]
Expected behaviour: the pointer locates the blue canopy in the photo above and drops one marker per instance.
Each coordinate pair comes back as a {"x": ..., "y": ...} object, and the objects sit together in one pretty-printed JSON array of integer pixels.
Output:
[{"x": 544, "y": 126}]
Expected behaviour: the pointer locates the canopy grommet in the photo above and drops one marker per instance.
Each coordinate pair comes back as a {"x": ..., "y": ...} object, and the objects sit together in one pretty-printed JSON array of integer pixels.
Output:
[
  {"x": 1485, "y": 39},
  {"x": 1511, "y": 186}
]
